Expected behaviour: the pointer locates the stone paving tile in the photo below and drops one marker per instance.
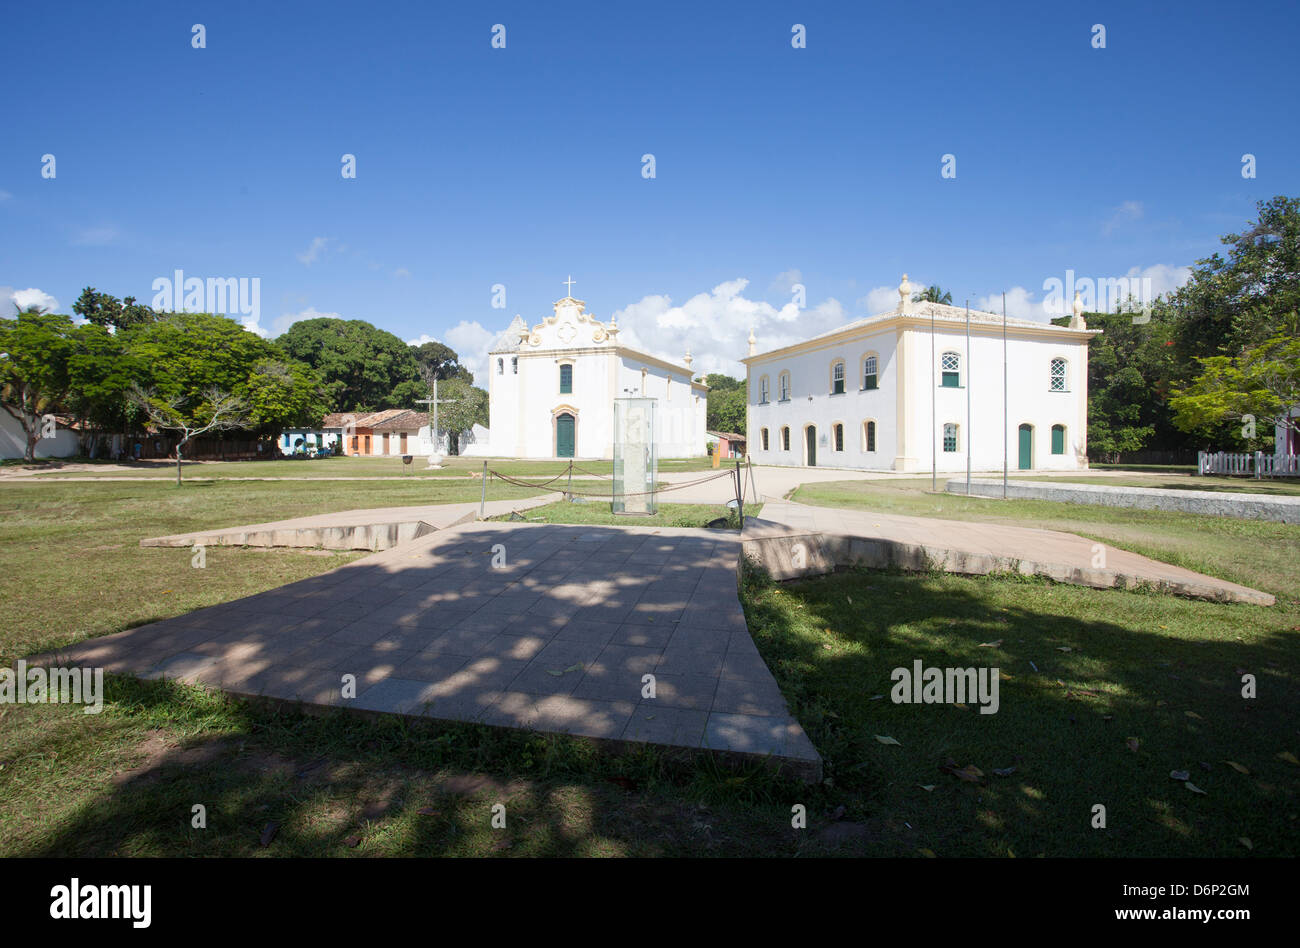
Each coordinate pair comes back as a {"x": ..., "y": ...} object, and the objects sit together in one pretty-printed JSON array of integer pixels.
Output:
[
  {"x": 558, "y": 641},
  {"x": 683, "y": 691},
  {"x": 663, "y": 725}
]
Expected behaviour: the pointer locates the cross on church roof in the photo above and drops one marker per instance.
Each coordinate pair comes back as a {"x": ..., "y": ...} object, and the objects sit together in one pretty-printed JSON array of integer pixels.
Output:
[{"x": 569, "y": 283}]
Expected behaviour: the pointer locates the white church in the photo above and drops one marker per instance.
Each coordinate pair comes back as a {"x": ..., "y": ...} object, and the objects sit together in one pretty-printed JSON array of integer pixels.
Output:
[
  {"x": 553, "y": 384},
  {"x": 905, "y": 389}
]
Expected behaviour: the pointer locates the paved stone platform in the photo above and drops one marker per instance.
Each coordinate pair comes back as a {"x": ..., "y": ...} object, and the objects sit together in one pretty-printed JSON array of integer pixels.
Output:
[
  {"x": 557, "y": 636},
  {"x": 829, "y": 536},
  {"x": 374, "y": 529}
]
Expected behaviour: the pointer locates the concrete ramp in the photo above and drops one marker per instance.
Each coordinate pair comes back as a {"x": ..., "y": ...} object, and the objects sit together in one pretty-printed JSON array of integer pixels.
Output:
[
  {"x": 796, "y": 540},
  {"x": 374, "y": 530}
]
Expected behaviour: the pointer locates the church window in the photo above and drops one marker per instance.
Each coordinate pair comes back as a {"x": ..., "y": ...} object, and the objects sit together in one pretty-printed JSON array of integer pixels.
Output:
[
  {"x": 1058, "y": 375},
  {"x": 764, "y": 439},
  {"x": 839, "y": 436},
  {"x": 869, "y": 437},
  {"x": 501, "y": 366},
  {"x": 566, "y": 379},
  {"x": 514, "y": 364},
  {"x": 950, "y": 437},
  {"x": 868, "y": 372},
  {"x": 763, "y": 390},
  {"x": 785, "y": 387},
  {"x": 837, "y": 378},
  {"x": 785, "y": 439},
  {"x": 950, "y": 364}
]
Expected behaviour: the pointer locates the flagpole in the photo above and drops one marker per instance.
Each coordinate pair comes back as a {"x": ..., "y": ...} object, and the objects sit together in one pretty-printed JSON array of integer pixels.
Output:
[
  {"x": 1004, "y": 396},
  {"x": 968, "y": 386},
  {"x": 934, "y": 448}
]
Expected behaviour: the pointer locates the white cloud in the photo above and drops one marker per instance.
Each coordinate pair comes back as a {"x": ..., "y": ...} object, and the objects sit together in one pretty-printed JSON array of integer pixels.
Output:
[
  {"x": 312, "y": 254},
  {"x": 401, "y": 272},
  {"x": 882, "y": 299},
  {"x": 1128, "y": 211},
  {"x": 422, "y": 339},
  {"x": 24, "y": 298},
  {"x": 785, "y": 281},
  {"x": 1095, "y": 292},
  {"x": 715, "y": 326},
  {"x": 95, "y": 237},
  {"x": 284, "y": 321},
  {"x": 471, "y": 342},
  {"x": 1021, "y": 305}
]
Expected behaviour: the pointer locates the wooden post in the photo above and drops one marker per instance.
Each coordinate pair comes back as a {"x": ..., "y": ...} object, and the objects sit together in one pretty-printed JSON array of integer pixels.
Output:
[{"x": 482, "y": 504}]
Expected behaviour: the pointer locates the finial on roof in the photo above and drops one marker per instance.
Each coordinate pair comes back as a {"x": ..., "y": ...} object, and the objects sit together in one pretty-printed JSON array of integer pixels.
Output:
[
  {"x": 753, "y": 343},
  {"x": 904, "y": 295},
  {"x": 1076, "y": 321},
  {"x": 688, "y": 360}
]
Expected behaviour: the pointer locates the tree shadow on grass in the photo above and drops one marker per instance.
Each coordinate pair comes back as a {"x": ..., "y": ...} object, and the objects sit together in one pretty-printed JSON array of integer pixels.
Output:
[{"x": 1086, "y": 670}]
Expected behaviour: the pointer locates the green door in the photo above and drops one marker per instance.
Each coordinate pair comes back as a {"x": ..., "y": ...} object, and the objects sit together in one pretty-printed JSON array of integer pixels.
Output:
[
  {"x": 564, "y": 436},
  {"x": 810, "y": 436},
  {"x": 1026, "y": 447}
]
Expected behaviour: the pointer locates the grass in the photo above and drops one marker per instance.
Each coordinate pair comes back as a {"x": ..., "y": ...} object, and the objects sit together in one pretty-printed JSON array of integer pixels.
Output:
[
  {"x": 668, "y": 515},
  {"x": 123, "y": 782},
  {"x": 1085, "y": 670},
  {"x": 332, "y": 467},
  {"x": 71, "y": 565}
]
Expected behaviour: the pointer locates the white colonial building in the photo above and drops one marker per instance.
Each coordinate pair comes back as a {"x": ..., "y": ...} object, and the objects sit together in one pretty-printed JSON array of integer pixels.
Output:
[
  {"x": 552, "y": 389},
  {"x": 894, "y": 391}
]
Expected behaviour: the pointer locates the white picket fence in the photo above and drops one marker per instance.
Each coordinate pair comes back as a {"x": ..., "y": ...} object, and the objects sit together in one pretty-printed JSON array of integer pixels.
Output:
[{"x": 1259, "y": 464}]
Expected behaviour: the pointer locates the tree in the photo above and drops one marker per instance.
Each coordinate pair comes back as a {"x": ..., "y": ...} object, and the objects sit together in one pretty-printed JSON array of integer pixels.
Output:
[
  {"x": 215, "y": 410},
  {"x": 282, "y": 393},
  {"x": 105, "y": 310},
  {"x": 362, "y": 368},
  {"x": 933, "y": 294},
  {"x": 101, "y": 371},
  {"x": 1251, "y": 296},
  {"x": 461, "y": 406},
  {"x": 34, "y": 349},
  {"x": 1259, "y": 387},
  {"x": 440, "y": 362},
  {"x": 726, "y": 404}
]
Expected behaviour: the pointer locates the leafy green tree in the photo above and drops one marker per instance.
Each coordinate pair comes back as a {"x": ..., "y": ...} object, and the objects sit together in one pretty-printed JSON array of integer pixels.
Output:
[
  {"x": 105, "y": 310},
  {"x": 440, "y": 362},
  {"x": 282, "y": 393},
  {"x": 933, "y": 293},
  {"x": 1258, "y": 388},
  {"x": 34, "y": 350},
  {"x": 1251, "y": 295},
  {"x": 362, "y": 368},
  {"x": 101, "y": 371},
  {"x": 726, "y": 404},
  {"x": 461, "y": 407},
  {"x": 182, "y": 355}
]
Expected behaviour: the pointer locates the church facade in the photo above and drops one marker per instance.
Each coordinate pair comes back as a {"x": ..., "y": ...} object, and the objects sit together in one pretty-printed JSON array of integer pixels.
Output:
[
  {"x": 552, "y": 388},
  {"x": 905, "y": 389}
]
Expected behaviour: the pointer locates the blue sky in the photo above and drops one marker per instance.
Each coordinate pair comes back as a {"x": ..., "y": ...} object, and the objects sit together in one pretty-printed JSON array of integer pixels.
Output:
[{"x": 519, "y": 166}]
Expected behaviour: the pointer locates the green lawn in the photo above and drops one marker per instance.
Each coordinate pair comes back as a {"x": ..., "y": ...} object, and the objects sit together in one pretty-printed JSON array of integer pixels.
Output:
[
  {"x": 123, "y": 782},
  {"x": 455, "y": 467}
]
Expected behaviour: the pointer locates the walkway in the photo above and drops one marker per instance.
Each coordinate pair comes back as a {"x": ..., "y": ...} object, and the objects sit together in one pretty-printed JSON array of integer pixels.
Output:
[
  {"x": 544, "y": 627},
  {"x": 879, "y": 539}
]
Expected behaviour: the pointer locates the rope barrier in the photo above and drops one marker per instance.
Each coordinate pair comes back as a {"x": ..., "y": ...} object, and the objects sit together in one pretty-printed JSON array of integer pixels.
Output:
[{"x": 659, "y": 488}]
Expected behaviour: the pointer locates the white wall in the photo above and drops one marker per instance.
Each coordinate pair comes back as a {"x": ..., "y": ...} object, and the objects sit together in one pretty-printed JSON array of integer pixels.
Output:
[
  {"x": 13, "y": 443},
  {"x": 909, "y": 447}
]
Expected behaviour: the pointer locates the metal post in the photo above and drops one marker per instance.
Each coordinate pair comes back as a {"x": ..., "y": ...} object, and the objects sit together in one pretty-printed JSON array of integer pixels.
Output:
[
  {"x": 570, "y": 480},
  {"x": 482, "y": 504},
  {"x": 1004, "y": 396},
  {"x": 740, "y": 495},
  {"x": 968, "y": 431},
  {"x": 934, "y": 445}
]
